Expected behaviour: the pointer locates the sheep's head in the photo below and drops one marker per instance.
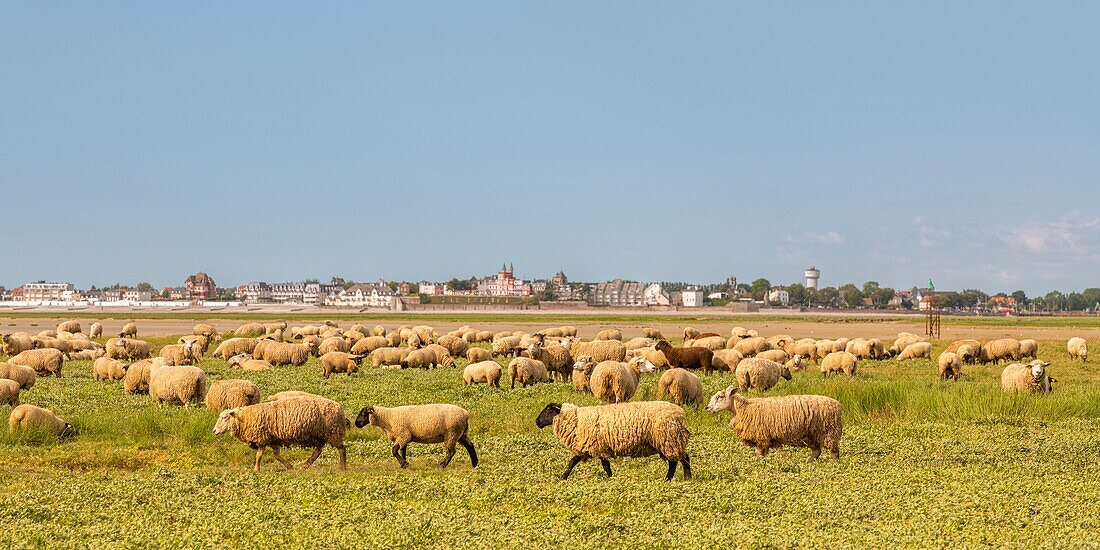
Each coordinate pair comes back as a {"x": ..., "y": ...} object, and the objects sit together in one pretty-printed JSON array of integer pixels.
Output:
[
  {"x": 546, "y": 417},
  {"x": 785, "y": 372},
  {"x": 364, "y": 417},
  {"x": 67, "y": 431},
  {"x": 358, "y": 359},
  {"x": 641, "y": 364},
  {"x": 585, "y": 364},
  {"x": 1038, "y": 369},
  {"x": 662, "y": 345},
  {"x": 227, "y": 421},
  {"x": 725, "y": 400}
]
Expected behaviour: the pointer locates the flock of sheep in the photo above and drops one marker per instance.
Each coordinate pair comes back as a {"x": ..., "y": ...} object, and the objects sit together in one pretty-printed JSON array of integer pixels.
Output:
[{"x": 608, "y": 367}]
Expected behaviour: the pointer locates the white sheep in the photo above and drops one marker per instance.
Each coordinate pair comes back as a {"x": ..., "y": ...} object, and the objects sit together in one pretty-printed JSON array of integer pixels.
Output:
[
  {"x": 232, "y": 393},
  {"x": 812, "y": 421},
  {"x": 176, "y": 384},
  {"x": 26, "y": 416},
  {"x": 9, "y": 392},
  {"x": 25, "y": 376},
  {"x": 680, "y": 386},
  {"x": 488, "y": 372},
  {"x": 1078, "y": 349},
  {"x": 1031, "y": 378},
  {"x": 435, "y": 423},
  {"x": 304, "y": 421}
]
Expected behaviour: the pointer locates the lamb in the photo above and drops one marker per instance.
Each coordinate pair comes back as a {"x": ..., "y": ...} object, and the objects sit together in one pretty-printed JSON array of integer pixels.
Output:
[
  {"x": 839, "y": 361},
  {"x": 106, "y": 368},
  {"x": 652, "y": 333},
  {"x": 610, "y": 334},
  {"x": 602, "y": 350},
  {"x": 726, "y": 359},
  {"x": 777, "y": 355},
  {"x": 690, "y": 333},
  {"x": 751, "y": 346},
  {"x": 25, "y": 376},
  {"x": 388, "y": 356},
  {"x": 796, "y": 363},
  {"x": 421, "y": 359},
  {"x": 505, "y": 346},
  {"x": 179, "y": 354},
  {"x": 812, "y": 421},
  {"x": 581, "y": 369},
  {"x": 176, "y": 384},
  {"x": 527, "y": 371},
  {"x": 137, "y": 376},
  {"x": 615, "y": 382},
  {"x": 128, "y": 349},
  {"x": 761, "y": 374},
  {"x": 435, "y": 423},
  {"x": 284, "y": 353},
  {"x": 250, "y": 330},
  {"x": 1029, "y": 348},
  {"x": 129, "y": 330},
  {"x": 686, "y": 358},
  {"x": 477, "y": 355},
  {"x": 488, "y": 372},
  {"x": 949, "y": 366},
  {"x": 999, "y": 350},
  {"x": 245, "y": 362},
  {"x": 556, "y": 358},
  {"x": 1078, "y": 349},
  {"x": 95, "y": 330},
  {"x": 232, "y": 393},
  {"x": 9, "y": 392},
  {"x": 338, "y": 361},
  {"x": 1031, "y": 378},
  {"x": 605, "y": 432},
  {"x": 919, "y": 350},
  {"x": 25, "y": 416},
  {"x": 43, "y": 361},
  {"x": 295, "y": 421},
  {"x": 680, "y": 386},
  {"x": 14, "y": 344}
]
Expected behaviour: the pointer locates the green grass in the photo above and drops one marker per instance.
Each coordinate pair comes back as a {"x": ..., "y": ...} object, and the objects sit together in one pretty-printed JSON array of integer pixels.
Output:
[{"x": 923, "y": 463}]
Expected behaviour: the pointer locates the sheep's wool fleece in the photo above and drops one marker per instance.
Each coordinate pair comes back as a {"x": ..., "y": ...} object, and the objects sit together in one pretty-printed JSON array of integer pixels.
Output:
[
  {"x": 302, "y": 421},
  {"x": 636, "y": 429},
  {"x": 791, "y": 420}
]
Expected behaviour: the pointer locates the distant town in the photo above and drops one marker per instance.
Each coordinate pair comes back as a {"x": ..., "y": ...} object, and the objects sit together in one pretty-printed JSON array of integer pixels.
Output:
[{"x": 505, "y": 290}]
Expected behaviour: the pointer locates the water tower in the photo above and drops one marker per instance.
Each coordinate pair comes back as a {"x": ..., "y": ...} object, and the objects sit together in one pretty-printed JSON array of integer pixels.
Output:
[{"x": 812, "y": 275}]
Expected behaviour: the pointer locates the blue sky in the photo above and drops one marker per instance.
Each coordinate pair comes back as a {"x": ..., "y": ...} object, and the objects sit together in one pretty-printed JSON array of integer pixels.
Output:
[{"x": 653, "y": 141}]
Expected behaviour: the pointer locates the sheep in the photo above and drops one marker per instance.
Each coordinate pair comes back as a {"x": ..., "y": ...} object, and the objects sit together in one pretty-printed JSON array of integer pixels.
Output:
[
  {"x": 95, "y": 330},
  {"x": 201, "y": 343},
  {"x": 751, "y": 346},
  {"x": 443, "y": 357},
  {"x": 954, "y": 346},
  {"x": 178, "y": 354},
  {"x": 605, "y": 432},
  {"x": 761, "y": 374},
  {"x": 25, "y": 416},
  {"x": 388, "y": 356},
  {"x": 904, "y": 340},
  {"x": 137, "y": 376},
  {"x": 690, "y": 333},
  {"x": 949, "y": 366},
  {"x": 581, "y": 369},
  {"x": 338, "y": 361},
  {"x": 53, "y": 343},
  {"x": 839, "y": 361},
  {"x": 968, "y": 353},
  {"x": 477, "y": 355},
  {"x": 806, "y": 347},
  {"x": 557, "y": 359},
  {"x": 739, "y": 333},
  {"x": 250, "y": 330},
  {"x": 610, "y": 334},
  {"x": 48, "y": 333},
  {"x": 232, "y": 393},
  {"x": 795, "y": 363},
  {"x": 777, "y": 355},
  {"x": 1029, "y": 348},
  {"x": 686, "y": 358},
  {"x": 999, "y": 350},
  {"x": 919, "y": 350},
  {"x": 527, "y": 371},
  {"x": 234, "y": 346},
  {"x": 713, "y": 342},
  {"x": 284, "y": 353},
  {"x": 420, "y": 359},
  {"x": 602, "y": 350},
  {"x": 174, "y": 384},
  {"x": 68, "y": 326},
  {"x": 369, "y": 344},
  {"x": 434, "y": 423},
  {"x": 274, "y": 336},
  {"x": 378, "y": 330},
  {"x": 9, "y": 392},
  {"x": 1078, "y": 348},
  {"x": 333, "y": 343},
  {"x": 680, "y": 386},
  {"x": 615, "y": 382},
  {"x": 245, "y": 362},
  {"x": 25, "y": 376},
  {"x": 823, "y": 348},
  {"x": 455, "y": 346},
  {"x": 129, "y": 330},
  {"x": 128, "y": 349},
  {"x": 203, "y": 329},
  {"x": 1031, "y": 378},
  {"x": 779, "y": 340},
  {"x": 485, "y": 371},
  {"x": 14, "y": 344},
  {"x": 290, "y": 394},
  {"x": 812, "y": 421},
  {"x": 295, "y": 421},
  {"x": 44, "y": 361},
  {"x": 866, "y": 348},
  {"x": 274, "y": 327},
  {"x": 505, "y": 346},
  {"x": 726, "y": 359},
  {"x": 106, "y": 368},
  {"x": 86, "y": 355},
  {"x": 638, "y": 343},
  {"x": 652, "y": 333}
]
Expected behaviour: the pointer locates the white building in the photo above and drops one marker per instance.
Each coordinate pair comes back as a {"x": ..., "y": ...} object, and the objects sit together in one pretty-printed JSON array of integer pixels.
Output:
[
  {"x": 432, "y": 289},
  {"x": 779, "y": 295},
  {"x": 812, "y": 276},
  {"x": 46, "y": 292},
  {"x": 364, "y": 295},
  {"x": 692, "y": 298},
  {"x": 654, "y": 295}
]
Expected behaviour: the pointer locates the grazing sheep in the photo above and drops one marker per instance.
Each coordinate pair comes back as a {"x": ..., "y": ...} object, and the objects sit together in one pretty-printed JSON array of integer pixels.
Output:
[
  {"x": 274, "y": 327},
  {"x": 305, "y": 421},
  {"x": 610, "y": 334},
  {"x": 806, "y": 347},
  {"x": 25, "y": 416},
  {"x": 904, "y": 340},
  {"x": 95, "y": 330},
  {"x": 86, "y": 355},
  {"x": 9, "y": 392},
  {"x": 245, "y": 362},
  {"x": 726, "y": 359},
  {"x": 751, "y": 346},
  {"x": 968, "y": 353},
  {"x": 1029, "y": 348},
  {"x": 443, "y": 357},
  {"x": 379, "y": 330},
  {"x": 369, "y": 344},
  {"x": 420, "y": 359},
  {"x": 44, "y": 361},
  {"x": 779, "y": 340},
  {"x": 129, "y": 330},
  {"x": 455, "y": 346},
  {"x": 174, "y": 384},
  {"x": 435, "y": 423},
  {"x": 690, "y": 333},
  {"x": 69, "y": 326},
  {"x": 250, "y": 330},
  {"x": 232, "y": 393},
  {"x": 106, "y": 368},
  {"x": 25, "y": 376},
  {"x": 203, "y": 329},
  {"x": 199, "y": 343},
  {"x": 137, "y": 376},
  {"x": 680, "y": 386},
  {"x": 486, "y": 371},
  {"x": 712, "y": 342},
  {"x": 954, "y": 346},
  {"x": 1031, "y": 378},
  {"x": 1078, "y": 349},
  {"x": 388, "y": 356},
  {"x": 53, "y": 343},
  {"x": 919, "y": 350},
  {"x": 557, "y": 359},
  {"x": 776, "y": 355},
  {"x": 999, "y": 350},
  {"x": 796, "y": 363},
  {"x": 605, "y": 432},
  {"x": 812, "y": 421},
  {"x": 338, "y": 361},
  {"x": 602, "y": 350},
  {"x": 477, "y": 355},
  {"x": 178, "y": 354},
  {"x": 823, "y": 348},
  {"x": 866, "y": 348},
  {"x": 128, "y": 349},
  {"x": 333, "y": 343},
  {"x": 839, "y": 361},
  {"x": 760, "y": 374},
  {"x": 14, "y": 344},
  {"x": 505, "y": 346},
  {"x": 284, "y": 353},
  {"x": 949, "y": 366},
  {"x": 739, "y": 333},
  {"x": 686, "y": 358},
  {"x": 274, "y": 336},
  {"x": 581, "y": 370},
  {"x": 652, "y": 333},
  {"x": 235, "y": 346},
  {"x": 638, "y": 343},
  {"x": 615, "y": 382},
  {"x": 527, "y": 371}
]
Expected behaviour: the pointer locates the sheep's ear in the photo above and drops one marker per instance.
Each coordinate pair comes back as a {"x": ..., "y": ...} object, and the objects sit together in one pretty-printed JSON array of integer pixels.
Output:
[{"x": 731, "y": 390}]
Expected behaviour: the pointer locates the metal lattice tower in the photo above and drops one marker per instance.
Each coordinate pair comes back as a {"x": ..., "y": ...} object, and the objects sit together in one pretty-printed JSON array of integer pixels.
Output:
[{"x": 932, "y": 317}]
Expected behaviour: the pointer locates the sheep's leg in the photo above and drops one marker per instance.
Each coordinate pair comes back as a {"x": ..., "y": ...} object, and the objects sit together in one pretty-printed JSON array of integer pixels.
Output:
[
  {"x": 278, "y": 456},
  {"x": 313, "y": 457},
  {"x": 761, "y": 450},
  {"x": 686, "y": 462},
  {"x": 671, "y": 470},
  {"x": 259, "y": 456},
  {"x": 572, "y": 464},
  {"x": 465, "y": 441},
  {"x": 815, "y": 452},
  {"x": 606, "y": 466},
  {"x": 450, "y": 446},
  {"x": 343, "y": 457},
  {"x": 395, "y": 450}
]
